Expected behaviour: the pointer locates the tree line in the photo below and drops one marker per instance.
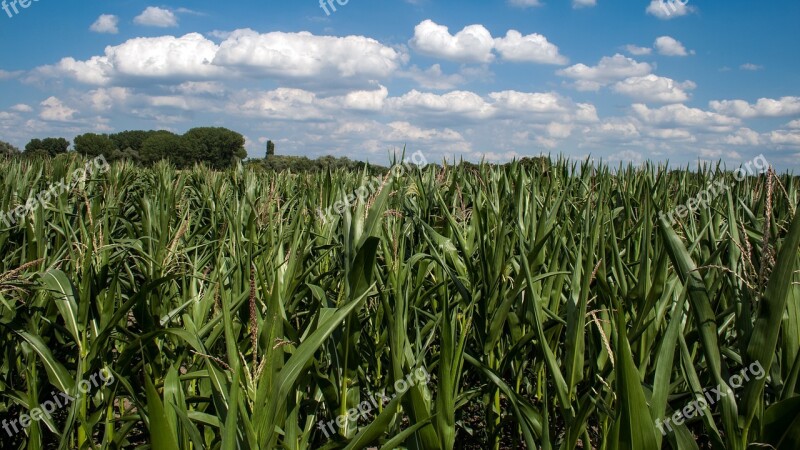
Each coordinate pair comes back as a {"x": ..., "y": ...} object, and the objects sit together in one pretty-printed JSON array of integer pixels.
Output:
[{"x": 216, "y": 147}]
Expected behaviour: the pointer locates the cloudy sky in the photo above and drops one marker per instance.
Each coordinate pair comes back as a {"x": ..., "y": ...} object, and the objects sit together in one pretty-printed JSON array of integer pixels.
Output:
[{"x": 615, "y": 80}]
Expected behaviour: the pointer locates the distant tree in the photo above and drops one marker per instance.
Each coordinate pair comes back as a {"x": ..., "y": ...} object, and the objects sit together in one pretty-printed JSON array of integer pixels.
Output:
[
  {"x": 132, "y": 139},
  {"x": 49, "y": 146},
  {"x": 93, "y": 145},
  {"x": 217, "y": 147},
  {"x": 126, "y": 154},
  {"x": 164, "y": 145},
  {"x": 7, "y": 150},
  {"x": 270, "y": 148}
]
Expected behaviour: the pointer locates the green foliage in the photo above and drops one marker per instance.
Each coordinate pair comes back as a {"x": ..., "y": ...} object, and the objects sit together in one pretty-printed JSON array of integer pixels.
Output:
[
  {"x": 47, "y": 146},
  {"x": 7, "y": 150},
  {"x": 270, "y": 148},
  {"x": 551, "y": 306},
  {"x": 217, "y": 147},
  {"x": 299, "y": 164},
  {"x": 92, "y": 145},
  {"x": 165, "y": 145}
]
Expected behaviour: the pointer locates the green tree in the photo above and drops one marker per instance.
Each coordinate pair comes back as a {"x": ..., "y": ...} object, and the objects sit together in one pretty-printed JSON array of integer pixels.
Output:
[
  {"x": 217, "y": 147},
  {"x": 270, "y": 148},
  {"x": 130, "y": 139},
  {"x": 93, "y": 145},
  {"x": 49, "y": 146},
  {"x": 7, "y": 150},
  {"x": 165, "y": 145}
]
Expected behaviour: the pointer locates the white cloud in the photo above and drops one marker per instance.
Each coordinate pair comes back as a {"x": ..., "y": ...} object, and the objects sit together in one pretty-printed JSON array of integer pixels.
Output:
[
  {"x": 795, "y": 124},
  {"x": 586, "y": 113},
  {"x": 55, "y": 110},
  {"x": 682, "y": 115},
  {"x": 607, "y": 71},
  {"x": 751, "y": 67},
  {"x": 21, "y": 107},
  {"x": 615, "y": 129},
  {"x": 669, "y": 46},
  {"x": 525, "y": 3},
  {"x": 433, "y": 77},
  {"x": 638, "y": 51},
  {"x": 472, "y": 44},
  {"x": 154, "y": 16},
  {"x": 583, "y": 3},
  {"x": 104, "y": 99},
  {"x": 457, "y": 103},
  {"x": 195, "y": 58},
  {"x": 559, "y": 130},
  {"x": 366, "y": 100},
  {"x": 671, "y": 134},
  {"x": 531, "y": 48},
  {"x": 404, "y": 131},
  {"x": 764, "y": 107},
  {"x": 106, "y": 23},
  {"x": 530, "y": 102},
  {"x": 652, "y": 88},
  {"x": 742, "y": 136},
  {"x": 783, "y": 137},
  {"x": 280, "y": 104},
  {"x": 165, "y": 57},
  {"x": 304, "y": 55},
  {"x": 6, "y": 75},
  {"x": 669, "y": 9}
]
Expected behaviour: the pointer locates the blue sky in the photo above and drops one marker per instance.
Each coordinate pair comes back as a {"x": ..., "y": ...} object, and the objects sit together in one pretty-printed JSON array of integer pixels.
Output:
[{"x": 618, "y": 81}]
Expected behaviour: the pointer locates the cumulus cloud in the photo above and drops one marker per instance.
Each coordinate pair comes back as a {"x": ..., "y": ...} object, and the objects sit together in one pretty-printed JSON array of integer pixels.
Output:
[
  {"x": 457, "y": 103},
  {"x": 404, "y": 131},
  {"x": 669, "y": 46},
  {"x": 304, "y": 55},
  {"x": 763, "y": 107},
  {"x": 635, "y": 50},
  {"x": 669, "y": 9},
  {"x": 165, "y": 57},
  {"x": 22, "y": 107},
  {"x": 53, "y": 109},
  {"x": 530, "y": 102},
  {"x": 472, "y": 44},
  {"x": 106, "y": 23},
  {"x": 531, "y": 48},
  {"x": 607, "y": 71},
  {"x": 742, "y": 136},
  {"x": 784, "y": 137},
  {"x": 193, "y": 57},
  {"x": 433, "y": 77},
  {"x": 153, "y": 16},
  {"x": 682, "y": 115},
  {"x": 366, "y": 100},
  {"x": 652, "y": 88}
]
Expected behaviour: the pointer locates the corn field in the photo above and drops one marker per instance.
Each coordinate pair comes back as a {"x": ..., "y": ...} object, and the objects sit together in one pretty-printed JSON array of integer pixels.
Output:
[{"x": 553, "y": 307}]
